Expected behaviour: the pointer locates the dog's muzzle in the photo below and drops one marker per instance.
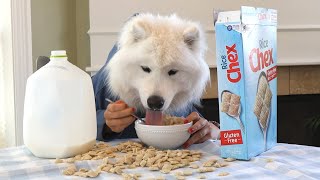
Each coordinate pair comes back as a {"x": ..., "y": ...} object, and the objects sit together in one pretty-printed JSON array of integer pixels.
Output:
[{"x": 155, "y": 102}]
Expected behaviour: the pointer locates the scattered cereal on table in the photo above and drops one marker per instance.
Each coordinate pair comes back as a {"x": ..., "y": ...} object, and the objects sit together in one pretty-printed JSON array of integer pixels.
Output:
[
  {"x": 206, "y": 169},
  {"x": 223, "y": 174},
  {"x": 194, "y": 166},
  {"x": 92, "y": 173},
  {"x": 107, "y": 168},
  {"x": 80, "y": 174},
  {"x": 166, "y": 168},
  {"x": 160, "y": 178},
  {"x": 269, "y": 160},
  {"x": 83, "y": 170},
  {"x": 178, "y": 173},
  {"x": 202, "y": 177},
  {"x": 180, "y": 178},
  {"x": 57, "y": 161},
  {"x": 86, "y": 157},
  {"x": 209, "y": 163},
  {"x": 126, "y": 176},
  {"x": 223, "y": 164},
  {"x": 70, "y": 170},
  {"x": 229, "y": 159},
  {"x": 70, "y": 160},
  {"x": 129, "y": 176},
  {"x": 187, "y": 173},
  {"x": 217, "y": 165},
  {"x": 154, "y": 168},
  {"x": 114, "y": 159}
]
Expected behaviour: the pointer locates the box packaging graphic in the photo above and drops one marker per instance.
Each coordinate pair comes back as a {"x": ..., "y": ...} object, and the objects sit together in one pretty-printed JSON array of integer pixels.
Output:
[{"x": 246, "y": 49}]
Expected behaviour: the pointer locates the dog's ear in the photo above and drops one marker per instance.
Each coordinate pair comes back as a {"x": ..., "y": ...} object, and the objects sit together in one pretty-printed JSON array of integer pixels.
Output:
[
  {"x": 139, "y": 31},
  {"x": 191, "y": 36}
]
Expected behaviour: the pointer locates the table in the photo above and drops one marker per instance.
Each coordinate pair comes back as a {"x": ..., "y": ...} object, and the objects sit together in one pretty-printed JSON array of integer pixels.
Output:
[{"x": 284, "y": 161}]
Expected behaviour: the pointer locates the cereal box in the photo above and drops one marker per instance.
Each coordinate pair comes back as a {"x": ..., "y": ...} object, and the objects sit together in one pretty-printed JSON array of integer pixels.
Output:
[{"x": 246, "y": 44}]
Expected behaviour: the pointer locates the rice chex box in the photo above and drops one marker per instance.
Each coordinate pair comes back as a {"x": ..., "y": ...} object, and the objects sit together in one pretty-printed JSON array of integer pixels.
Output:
[{"x": 246, "y": 49}]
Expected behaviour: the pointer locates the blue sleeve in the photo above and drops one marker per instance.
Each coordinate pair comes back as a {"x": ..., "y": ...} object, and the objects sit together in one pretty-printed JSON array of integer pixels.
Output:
[
  {"x": 104, "y": 133},
  {"x": 100, "y": 92}
]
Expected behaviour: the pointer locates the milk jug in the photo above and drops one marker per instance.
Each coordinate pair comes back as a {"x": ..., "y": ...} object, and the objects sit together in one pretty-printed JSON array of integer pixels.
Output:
[{"x": 59, "y": 110}]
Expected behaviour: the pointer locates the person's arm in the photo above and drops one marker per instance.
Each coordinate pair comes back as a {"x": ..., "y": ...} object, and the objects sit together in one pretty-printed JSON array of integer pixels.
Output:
[
  {"x": 201, "y": 130},
  {"x": 194, "y": 109},
  {"x": 104, "y": 133},
  {"x": 100, "y": 92}
]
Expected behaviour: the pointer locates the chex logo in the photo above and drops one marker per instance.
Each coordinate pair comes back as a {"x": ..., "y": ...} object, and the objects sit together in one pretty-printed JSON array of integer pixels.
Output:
[{"x": 233, "y": 71}]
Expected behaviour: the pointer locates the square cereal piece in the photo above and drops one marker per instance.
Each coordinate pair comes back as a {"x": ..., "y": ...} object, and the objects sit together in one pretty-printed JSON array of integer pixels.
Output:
[
  {"x": 262, "y": 86},
  {"x": 267, "y": 97},
  {"x": 261, "y": 94},
  {"x": 235, "y": 99},
  {"x": 223, "y": 174},
  {"x": 202, "y": 177},
  {"x": 264, "y": 116},
  {"x": 258, "y": 106},
  {"x": 226, "y": 96},
  {"x": 224, "y": 107},
  {"x": 229, "y": 159},
  {"x": 233, "y": 110}
]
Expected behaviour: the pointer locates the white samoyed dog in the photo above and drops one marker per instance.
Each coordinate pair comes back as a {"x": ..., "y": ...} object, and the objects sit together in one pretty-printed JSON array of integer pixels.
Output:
[{"x": 160, "y": 63}]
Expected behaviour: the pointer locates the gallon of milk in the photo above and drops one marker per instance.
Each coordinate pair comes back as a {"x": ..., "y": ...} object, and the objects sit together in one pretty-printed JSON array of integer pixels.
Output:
[{"x": 59, "y": 110}]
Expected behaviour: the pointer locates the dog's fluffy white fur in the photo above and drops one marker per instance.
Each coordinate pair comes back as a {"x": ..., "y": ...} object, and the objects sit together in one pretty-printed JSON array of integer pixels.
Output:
[{"x": 161, "y": 44}]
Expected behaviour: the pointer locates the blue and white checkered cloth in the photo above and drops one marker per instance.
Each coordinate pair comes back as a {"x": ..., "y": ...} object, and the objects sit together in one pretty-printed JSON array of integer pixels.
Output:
[{"x": 288, "y": 162}]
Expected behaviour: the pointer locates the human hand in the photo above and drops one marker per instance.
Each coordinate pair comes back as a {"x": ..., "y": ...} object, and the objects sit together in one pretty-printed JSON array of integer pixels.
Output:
[
  {"x": 118, "y": 116},
  {"x": 201, "y": 130}
]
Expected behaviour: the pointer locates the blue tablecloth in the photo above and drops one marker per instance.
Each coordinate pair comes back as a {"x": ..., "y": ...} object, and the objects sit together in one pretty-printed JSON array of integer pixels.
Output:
[{"x": 284, "y": 161}]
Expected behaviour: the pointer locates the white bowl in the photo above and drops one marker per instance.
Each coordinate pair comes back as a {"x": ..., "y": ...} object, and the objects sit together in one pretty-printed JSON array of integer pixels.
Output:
[{"x": 163, "y": 137}]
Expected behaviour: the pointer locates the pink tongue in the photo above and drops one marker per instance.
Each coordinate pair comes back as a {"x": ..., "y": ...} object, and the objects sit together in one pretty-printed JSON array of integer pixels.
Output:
[{"x": 153, "y": 117}]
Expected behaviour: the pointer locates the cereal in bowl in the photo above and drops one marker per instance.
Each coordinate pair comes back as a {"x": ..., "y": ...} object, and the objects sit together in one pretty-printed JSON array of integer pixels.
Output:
[{"x": 172, "y": 120}]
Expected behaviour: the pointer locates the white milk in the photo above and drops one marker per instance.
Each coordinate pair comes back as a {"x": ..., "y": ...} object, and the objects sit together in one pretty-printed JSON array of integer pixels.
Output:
[{"x": 59, "y": 110}]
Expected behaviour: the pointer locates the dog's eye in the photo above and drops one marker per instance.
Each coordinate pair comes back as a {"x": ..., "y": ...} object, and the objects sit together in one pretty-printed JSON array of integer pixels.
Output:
[
  {"x": 172, "y": 72},
  {"x": 146, "y": 69}
]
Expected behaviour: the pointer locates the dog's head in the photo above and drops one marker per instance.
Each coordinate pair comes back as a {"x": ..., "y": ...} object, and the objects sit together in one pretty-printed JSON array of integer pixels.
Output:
[{"x": 160, "y": 63}]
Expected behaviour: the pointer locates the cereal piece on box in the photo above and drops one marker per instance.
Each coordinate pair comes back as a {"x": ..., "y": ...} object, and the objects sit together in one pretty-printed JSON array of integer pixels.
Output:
[
  {"x": 225, "y": 107},
  {"x": 258, "y": 106},
  {"x": 235, "y": 99},
  {"x": 226, "y": 97},
  {"x": 264, "y": 116},
  {"x": 267, "y": 97},
  {"x": 233, "y": 110}
]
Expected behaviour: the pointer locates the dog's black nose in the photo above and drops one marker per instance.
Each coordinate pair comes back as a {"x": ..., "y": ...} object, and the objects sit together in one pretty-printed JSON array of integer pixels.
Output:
[{"x": 155, "y": 102}]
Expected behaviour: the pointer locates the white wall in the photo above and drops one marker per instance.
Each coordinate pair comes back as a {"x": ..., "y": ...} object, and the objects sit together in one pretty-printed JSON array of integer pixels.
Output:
[
  {"x": 298, "y": 37},
  {"x": 82, "y": 37},
  {"x": 61, "y": 24},
  {"x": 53, "y": 28}
]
